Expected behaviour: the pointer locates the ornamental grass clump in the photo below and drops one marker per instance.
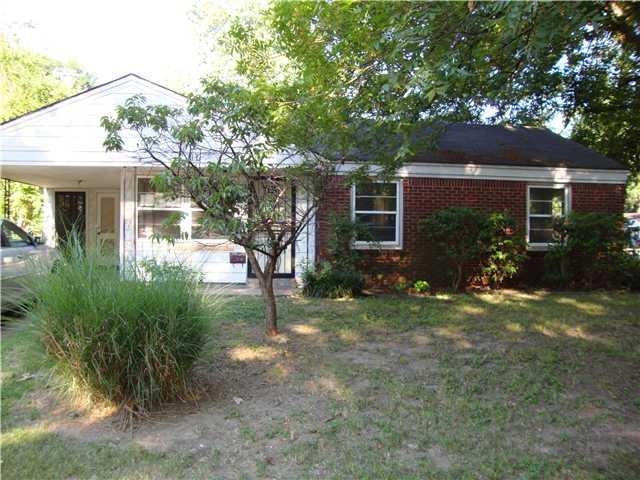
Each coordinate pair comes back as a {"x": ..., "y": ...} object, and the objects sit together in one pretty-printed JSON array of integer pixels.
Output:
[{"x": 128, "y": 342}]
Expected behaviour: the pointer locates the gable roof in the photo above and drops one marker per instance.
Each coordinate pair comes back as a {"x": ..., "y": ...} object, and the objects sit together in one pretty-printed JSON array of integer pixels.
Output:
[
  {"x": 463, "y": 143},
  {"x": 69, "y": 132},
  {"x": 96, "y": 89}
]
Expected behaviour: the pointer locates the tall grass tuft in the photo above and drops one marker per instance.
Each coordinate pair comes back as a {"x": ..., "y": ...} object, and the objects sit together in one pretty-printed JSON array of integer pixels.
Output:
[{"x": 129, "y": 342}]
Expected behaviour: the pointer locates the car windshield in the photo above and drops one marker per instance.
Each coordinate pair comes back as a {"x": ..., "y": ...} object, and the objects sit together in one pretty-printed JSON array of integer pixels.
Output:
[{"x": 13, "y": 236}]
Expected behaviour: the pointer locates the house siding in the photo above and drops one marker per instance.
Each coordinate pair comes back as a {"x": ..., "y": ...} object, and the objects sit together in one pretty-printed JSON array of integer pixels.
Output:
[{"x": 423, "y": 196}]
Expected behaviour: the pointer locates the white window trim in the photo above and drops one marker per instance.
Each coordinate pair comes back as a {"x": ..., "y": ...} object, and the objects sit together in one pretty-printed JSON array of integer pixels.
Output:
[
  {"x": 140, "y": 208},
  {"x": 567, "y": 207},
  {"x": 386, "y": 245},
  {"x": 185, "y": 224}
]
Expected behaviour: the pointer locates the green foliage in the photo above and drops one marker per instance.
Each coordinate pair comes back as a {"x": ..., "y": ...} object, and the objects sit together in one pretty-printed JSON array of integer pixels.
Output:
[
  {"x": 330, "y": 281},
  {"x": 29, "y": 80},
  {"x": 130, "y": 342},
  {"x": 454, "y": 233},
  {"x": 340, "y": 276},
  {"x": 397, "y": 62},
  {"x": 472, "y": 241},
  {"x": 25, "y": 204},
  {"x": 632, "y": 198},
  {"x": 421, "y": 286},
  {"x": 503, "y": 249},
  {"x": 590, "y": 252},
  {"x": 225, "y": 152},
  {"x": 342, "y": 234}
]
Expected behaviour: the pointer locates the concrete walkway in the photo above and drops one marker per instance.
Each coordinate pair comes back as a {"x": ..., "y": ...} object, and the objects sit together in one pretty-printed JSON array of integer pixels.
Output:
[{"x": 283, "y": 287}]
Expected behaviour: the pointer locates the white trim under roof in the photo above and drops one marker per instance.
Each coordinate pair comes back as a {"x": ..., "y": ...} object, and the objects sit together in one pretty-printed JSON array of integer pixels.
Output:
[{"x": 502, "y": 172}]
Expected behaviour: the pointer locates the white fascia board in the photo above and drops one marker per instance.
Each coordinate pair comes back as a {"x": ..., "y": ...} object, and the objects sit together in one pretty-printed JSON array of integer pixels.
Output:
[{"x": 559, "y": 175}]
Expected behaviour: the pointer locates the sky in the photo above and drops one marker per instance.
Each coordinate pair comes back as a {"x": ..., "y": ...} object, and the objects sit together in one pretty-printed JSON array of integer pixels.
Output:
[{"x": 155, "y": 39}]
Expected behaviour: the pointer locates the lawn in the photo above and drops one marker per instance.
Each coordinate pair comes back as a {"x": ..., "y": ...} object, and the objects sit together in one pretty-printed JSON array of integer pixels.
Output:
[{"x": 504, "y": 385}]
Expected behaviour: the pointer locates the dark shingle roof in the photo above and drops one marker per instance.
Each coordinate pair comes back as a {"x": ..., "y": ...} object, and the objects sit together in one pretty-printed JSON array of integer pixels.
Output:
[{"x": 462, "y": 143}]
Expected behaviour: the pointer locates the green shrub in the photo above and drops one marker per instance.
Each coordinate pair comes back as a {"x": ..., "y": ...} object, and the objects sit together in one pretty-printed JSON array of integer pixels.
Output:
[
  {"x": 590, "y": 252},
  {"x": 129, "y": 342},
  {"x": 454, "y": 234},
  {"x": 340, "y": 276},
  {"x": 631, "y": 273},
  {"x": 342, "y": 234},
  {"x": 421, "y": 286},
  {"x": 503, "y": 248},
  {"x": 470, "y": 241},
  {"x": 330, "y": 282}
]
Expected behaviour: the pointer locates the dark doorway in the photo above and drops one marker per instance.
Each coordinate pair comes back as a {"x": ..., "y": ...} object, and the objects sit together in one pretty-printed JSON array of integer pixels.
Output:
[
  {"x": 70, "y": 208},
  {"x": 285, "y": 267}
]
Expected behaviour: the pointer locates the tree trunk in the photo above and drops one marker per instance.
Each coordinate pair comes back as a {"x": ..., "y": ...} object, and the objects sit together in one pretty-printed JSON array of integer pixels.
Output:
[
  {"x": 271, "y": 320},
  {"x": 265, "y": 279}
]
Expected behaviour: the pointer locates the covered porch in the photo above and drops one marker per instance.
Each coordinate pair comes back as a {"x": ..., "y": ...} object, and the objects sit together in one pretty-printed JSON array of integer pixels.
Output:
[
  {"x": 87, "y": 198},
  {"x": 116, "y": 211},
  {"x": 108, "y": 195}
]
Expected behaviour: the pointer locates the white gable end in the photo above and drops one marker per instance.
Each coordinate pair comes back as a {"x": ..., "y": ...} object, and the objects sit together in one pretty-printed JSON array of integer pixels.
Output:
[{"x": 69, "y": 132}]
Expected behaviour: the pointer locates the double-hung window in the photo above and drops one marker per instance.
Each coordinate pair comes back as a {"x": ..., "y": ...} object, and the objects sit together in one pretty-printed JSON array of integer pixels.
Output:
[
  {"x": 544, "y": 205},
  {"x": 154, "y": 208},
  {"x": 378, "y": 206}
]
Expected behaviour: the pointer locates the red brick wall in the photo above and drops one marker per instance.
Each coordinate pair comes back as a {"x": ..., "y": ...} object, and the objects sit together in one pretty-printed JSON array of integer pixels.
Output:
[
  {"x": 423, "y": 196},
  {"x": 592, "y": 197}
]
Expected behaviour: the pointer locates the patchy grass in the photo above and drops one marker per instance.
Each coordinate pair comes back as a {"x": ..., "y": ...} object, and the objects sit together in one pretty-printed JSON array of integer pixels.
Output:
[{"x": 505, "y": 385}]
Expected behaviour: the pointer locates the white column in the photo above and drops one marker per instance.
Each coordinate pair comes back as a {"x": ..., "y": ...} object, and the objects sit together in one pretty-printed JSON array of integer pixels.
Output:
[
  {"x": 127, "y": 218},
  {"x": 49, "y": 220}
]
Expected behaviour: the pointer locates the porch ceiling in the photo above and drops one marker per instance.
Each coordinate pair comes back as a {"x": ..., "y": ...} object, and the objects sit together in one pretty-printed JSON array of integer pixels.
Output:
[{"x": 64, "y": 176}]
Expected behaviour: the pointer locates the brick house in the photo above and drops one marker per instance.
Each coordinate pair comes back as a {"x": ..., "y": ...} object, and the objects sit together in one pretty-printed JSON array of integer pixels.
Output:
[{"x": 532, "y": 172}]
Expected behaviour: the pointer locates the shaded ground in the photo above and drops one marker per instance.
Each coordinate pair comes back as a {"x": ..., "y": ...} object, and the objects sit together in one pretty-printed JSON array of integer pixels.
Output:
[{"x": 508, "y": 385}]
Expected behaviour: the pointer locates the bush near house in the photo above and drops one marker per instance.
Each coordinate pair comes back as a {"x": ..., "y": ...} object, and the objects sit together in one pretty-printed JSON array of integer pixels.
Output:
[
  {"x": 471, "y": 243},
  {"x": 130, "y": 343},
  {"x": 328, "y": 281},
  {"x": 339, "y": 277},
  {"x": 590, "y": 253}
]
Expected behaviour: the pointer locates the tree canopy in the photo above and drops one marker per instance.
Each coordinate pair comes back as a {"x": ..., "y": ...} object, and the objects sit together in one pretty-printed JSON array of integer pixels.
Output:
[
  {"x": 223, "y": 153},
  {"x": 28, "y": 81},
  {"x": 393, "y": 63}
]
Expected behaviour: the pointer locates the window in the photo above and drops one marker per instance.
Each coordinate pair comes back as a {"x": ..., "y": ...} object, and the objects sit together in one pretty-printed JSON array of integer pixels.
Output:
[
  {"x": 153, "y": 209},
  {"x": 545, "y": 203},
  {"x": 198, "y": 232},
  {"x": 378, "y": 207},
  {"x": 14, "y": 237}
]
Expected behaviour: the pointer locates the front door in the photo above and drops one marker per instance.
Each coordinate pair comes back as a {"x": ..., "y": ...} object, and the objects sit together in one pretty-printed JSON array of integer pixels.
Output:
[
  {"x": 107, "y": 224},
  {"x": 70, "y": 208}
]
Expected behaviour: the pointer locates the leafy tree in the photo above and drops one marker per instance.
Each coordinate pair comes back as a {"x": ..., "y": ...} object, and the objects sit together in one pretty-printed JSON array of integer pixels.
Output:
[
  {"x": 23, "y": 204},
  {"x": 224, "y": 152},
  {"x": 393, "y": 63},
  {"x": 632, "y": 203},
  {"x": 29, "y": 80}
]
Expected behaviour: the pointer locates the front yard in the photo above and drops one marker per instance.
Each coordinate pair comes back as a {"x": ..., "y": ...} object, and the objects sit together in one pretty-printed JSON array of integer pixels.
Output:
[{"x": 505, "y": 385}]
